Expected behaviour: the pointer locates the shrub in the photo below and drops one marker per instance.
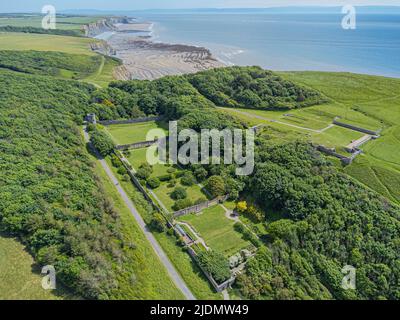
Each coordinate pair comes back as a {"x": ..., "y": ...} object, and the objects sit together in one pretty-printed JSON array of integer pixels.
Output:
[
  {"x": 171, "y": 170},
  {"x": 215, "y": 264},
  {"x": 164, "y": 178},
  {"x": 143, "y": 174},
  {"x": 179, "y": 193},
  {"x": 144, "y": 171},
  {"x": 172, "y": 183},
  {"x": 182, "y": 204},
  {"x": 91, "y": 127},
  {"x": 200, "y": 200},
  {"x": 255, "y": 214},
  {"x": 188, "y": 179},
  {"x": 200, "y": 173},
  {"x": 241, "y": 206},
  {"x": 122, "y": 171},
  {"x": 179, "y": 174},
  {"x": 153, "y": 183},
  {"x": 158, "y": 223},
  {"x": 102, "y": 142}
]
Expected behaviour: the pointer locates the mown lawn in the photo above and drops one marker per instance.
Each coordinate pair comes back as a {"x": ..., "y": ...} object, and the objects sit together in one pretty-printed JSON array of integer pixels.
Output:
[
  {"x": 137, "y": 157},
  {"x": 217, "y": 230},
  {"x": 163, "y": 193},
  {"x": 135, "y": 132},
  {"x": 336, "y": 137}
]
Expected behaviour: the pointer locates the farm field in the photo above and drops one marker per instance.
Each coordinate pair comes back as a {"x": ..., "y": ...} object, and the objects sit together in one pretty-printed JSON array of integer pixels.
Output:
[
  {"x": 135, "y": 132},
  {"x": 63, "y": 22},
  {"x": 44, "y": 42},
  {"x": 217, "y": 230}
]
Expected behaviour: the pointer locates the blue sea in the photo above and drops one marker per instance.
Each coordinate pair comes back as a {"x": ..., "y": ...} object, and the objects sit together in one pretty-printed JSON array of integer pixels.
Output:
[{"x": 289, "y": 41}]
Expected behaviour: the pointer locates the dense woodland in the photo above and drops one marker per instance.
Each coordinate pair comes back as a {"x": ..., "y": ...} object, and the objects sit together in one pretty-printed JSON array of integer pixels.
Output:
[
  {"x": 49, "y": 196},
  {"x": 317, "y": 219},
  {"x": 252, "y": 87},
  {"x": 50, "y": 63}
]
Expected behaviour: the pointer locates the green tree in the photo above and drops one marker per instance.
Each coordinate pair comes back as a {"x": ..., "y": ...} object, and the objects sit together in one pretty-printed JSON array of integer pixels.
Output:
[
  {"x": 216, "y": 186},
  {"x": 102, "y": 142}
]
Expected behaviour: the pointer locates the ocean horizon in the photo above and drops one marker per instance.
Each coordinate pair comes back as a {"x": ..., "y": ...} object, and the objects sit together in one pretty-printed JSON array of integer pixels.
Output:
[{"x": 288, "y": 41}]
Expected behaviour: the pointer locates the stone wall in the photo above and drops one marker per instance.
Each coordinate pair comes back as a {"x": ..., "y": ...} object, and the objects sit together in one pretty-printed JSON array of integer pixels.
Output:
[
  {"x": 137, "y": 145},
  {"x": 199, "y": 207},
  {"x": 349, "y": 126},
  {"x": 137, "y": 120},
  {"x": 331, "y": 152}
]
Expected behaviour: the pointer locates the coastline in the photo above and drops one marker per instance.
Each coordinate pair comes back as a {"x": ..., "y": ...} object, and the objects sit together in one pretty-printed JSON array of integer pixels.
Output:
[{"x": 143, "y": 58}]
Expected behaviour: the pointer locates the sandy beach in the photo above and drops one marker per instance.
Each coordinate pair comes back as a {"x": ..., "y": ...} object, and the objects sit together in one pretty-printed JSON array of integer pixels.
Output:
[{"x": 144, "y": 59}]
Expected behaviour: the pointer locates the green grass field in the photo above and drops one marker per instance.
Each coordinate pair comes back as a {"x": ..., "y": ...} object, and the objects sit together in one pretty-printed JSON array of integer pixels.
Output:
[
  {"x": 44, "y": 42},
  {"x": 217, "y": 230},
  {"x": 163, "y": 192},
  {"x": 20, "y": 277},
  {"x": 135, "y": 132},
  {"x": 105, "y": 73},
  {"x": 137, "y": 157},
  {"x": 367, "y": 101}
]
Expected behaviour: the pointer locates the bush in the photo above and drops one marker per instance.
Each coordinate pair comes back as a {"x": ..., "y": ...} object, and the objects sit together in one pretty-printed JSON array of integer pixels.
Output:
[
  {"x": 188, "y": 179},
  {"x": 179, "y": 174},
  {"x": 171, "y": 170},
  {"x": 91, "y": 127},
  {"x": 216, "y": 186},
  {"x": 182, "y": 204},
  {"x": 158, "y": 223},
  {"x": 247, "y": 234},
  {"x": 200, "y": 200},
  {"x": 215, "y": 264},
  {"x": 144, "y": 171},
  {"x": 165, "y": 178},
  {"x": 179, "y": 193},
  {"x": 122, "y": 171},
  {"x": 172, "y": 183},
  {"x": 153, "y": 183},
  {"x": 200, "y": 173}
]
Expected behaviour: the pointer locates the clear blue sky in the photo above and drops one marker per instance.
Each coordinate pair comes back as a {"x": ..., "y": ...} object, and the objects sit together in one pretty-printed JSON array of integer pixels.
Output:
[{"x": 36, "y": 5}]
